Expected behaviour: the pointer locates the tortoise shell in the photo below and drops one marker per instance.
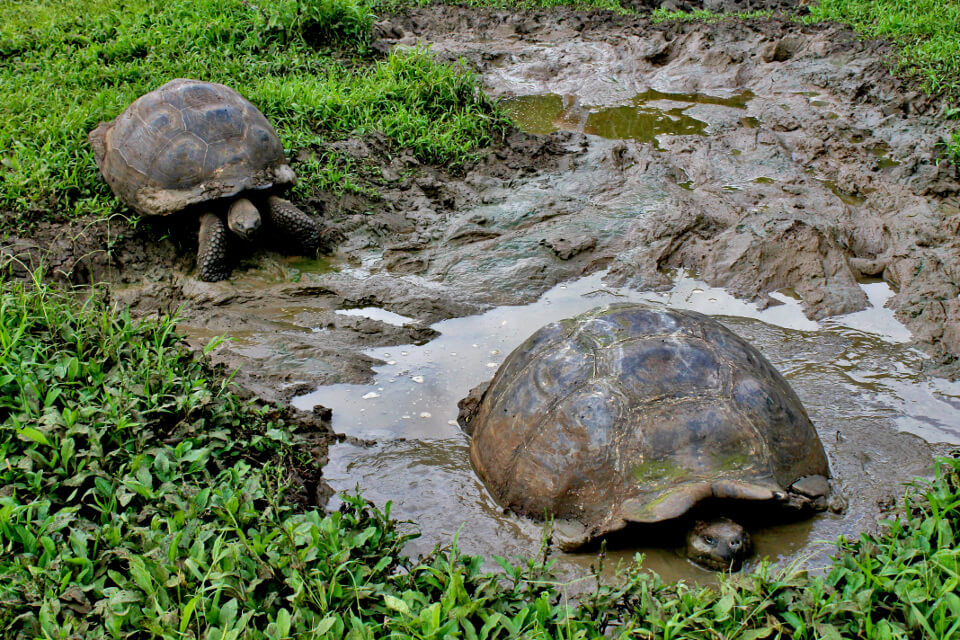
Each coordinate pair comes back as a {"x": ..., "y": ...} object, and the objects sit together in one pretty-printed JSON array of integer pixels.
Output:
[
  {"x": 632, "y": 413},
  {"x": 188, "y": 142}
]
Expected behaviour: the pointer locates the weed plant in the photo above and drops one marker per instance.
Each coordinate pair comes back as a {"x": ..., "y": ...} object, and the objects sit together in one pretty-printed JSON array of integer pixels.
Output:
[
  {"x": 140, "y": 498},
  {"x": 66, "y": 65}
]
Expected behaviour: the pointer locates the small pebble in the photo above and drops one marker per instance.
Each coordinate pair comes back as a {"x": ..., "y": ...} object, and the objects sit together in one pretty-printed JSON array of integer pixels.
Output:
[
  {"x": 372, "y": 394},
  {"x": 417, "y": 379},
  {"x": 425, "y": 414}
]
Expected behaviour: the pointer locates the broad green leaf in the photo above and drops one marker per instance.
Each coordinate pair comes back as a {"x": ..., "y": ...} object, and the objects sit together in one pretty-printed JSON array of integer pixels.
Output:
[
  {"x": 29, "y": 433},
  {"x": 396, "y": 604}
]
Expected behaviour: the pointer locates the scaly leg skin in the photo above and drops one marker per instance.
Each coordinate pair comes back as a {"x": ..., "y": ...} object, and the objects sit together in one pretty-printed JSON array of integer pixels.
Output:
[
  {"x": 212, "y": 253},
  {"x": 308, "y": 232}
]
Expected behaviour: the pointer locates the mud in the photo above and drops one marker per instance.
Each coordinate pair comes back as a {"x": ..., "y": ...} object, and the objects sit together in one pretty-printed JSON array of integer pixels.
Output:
[
  {"x": 764, "y": 157},
  {"x": 855, "y": 374},
  {"x": 827, "y": 174}
]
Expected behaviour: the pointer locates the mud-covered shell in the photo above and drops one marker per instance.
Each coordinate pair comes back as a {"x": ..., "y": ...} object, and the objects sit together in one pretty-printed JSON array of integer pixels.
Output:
[
  {"x": 188, "y": 142},
  {"x": 633, "y": 413}
]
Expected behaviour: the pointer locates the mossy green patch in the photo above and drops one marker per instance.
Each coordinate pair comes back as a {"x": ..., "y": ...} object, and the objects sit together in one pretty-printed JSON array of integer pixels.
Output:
[{"x": 657, "y": 471}]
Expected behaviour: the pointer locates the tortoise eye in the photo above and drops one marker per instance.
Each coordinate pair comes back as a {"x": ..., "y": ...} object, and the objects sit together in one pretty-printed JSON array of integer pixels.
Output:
[{"x": 710, "y": 540}]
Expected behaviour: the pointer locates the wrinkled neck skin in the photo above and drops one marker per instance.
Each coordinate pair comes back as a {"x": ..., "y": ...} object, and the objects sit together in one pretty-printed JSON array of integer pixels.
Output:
[{"x": 719, "y": 544}]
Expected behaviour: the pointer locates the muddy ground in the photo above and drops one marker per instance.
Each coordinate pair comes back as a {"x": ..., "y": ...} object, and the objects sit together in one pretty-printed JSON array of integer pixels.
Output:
[{"x": 817, "y": 169}]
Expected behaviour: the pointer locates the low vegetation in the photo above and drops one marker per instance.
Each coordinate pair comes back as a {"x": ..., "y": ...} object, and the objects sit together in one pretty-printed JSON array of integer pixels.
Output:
[
  {"x": 307, "y": 64},
  {"x": 141, "y": 498},
  {"x": 65, "y": 66},
  {"x": 926, "y": 34}
]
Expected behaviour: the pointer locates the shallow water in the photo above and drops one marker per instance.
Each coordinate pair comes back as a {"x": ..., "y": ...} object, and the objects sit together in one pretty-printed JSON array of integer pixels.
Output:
[
  {"x": 646, "y": 116},
  {"x": 854, "y": 374}
]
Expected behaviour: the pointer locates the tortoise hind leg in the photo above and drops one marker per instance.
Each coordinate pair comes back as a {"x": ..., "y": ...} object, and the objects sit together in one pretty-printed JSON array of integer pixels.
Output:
[
  {"x": 305, "y": 230},
  {"x": 212, "y": 252}
]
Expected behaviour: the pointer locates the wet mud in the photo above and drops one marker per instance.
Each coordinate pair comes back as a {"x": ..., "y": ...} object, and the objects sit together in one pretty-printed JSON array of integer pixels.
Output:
[
  {"x": 880, "y": 421},
  {"x": 781, "y": 164}
]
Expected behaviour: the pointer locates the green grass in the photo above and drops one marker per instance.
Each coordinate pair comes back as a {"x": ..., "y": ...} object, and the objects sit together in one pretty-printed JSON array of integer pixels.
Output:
[
  {"x": 65, "y": 66},
  {"x": 142, "y": 499},
  {"x": 702, "y": 15},
  {"x": 926, "y": 32}
]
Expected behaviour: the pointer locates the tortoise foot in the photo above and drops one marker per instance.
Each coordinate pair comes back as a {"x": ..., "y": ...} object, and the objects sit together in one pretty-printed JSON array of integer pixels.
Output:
[
  {"x": 212, "y": 253},
  {"x": 308, "y": 232}
]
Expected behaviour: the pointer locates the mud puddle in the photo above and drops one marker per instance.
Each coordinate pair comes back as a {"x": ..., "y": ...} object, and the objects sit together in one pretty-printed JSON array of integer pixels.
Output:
[
  {"x": 646, "y": 116},
  {"x": 763, "y": 156},
  {"x": 854, "y": 373}
]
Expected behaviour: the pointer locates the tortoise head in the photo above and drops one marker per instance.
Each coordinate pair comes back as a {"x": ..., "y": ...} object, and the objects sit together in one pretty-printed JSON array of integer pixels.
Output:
[
  {"x": 719, "y": 544},
  {"x": 243, "y": 218}
]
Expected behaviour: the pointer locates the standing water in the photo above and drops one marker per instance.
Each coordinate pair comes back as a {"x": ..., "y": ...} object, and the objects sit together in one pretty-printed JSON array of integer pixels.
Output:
[{"x": 854, "y": 374}]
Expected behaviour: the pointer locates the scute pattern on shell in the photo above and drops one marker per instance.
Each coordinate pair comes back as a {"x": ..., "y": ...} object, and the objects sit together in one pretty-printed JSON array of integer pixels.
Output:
[
  {"x": 187, "y": 142},
  {"x": 634, "y": 413}
]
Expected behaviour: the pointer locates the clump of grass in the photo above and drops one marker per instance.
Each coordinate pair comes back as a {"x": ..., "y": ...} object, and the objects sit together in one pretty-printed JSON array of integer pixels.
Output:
[
  {"x": 702, "y": 15},
  {"x": 300, "y": 61},
  {"x": 141, "y": 498},
  {"x": 926, "y": 32}
]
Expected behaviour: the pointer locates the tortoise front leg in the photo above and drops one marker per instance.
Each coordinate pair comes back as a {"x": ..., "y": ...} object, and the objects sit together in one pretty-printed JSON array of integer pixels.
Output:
[
  {"x": 305, "y": 230},
  {"x": 212, "y": 252}
]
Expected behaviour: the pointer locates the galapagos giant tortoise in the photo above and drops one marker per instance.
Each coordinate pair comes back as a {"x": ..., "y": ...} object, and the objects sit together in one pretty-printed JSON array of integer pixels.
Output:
[
  {"x": 202, "y": 146},
  {"x": 631, "y": 413}
]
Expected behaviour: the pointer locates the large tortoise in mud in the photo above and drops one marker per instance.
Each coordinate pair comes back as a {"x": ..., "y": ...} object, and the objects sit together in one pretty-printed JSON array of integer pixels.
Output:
[
  {"x": 201, "y": 146},
  {"x": 631, "y": 413}
]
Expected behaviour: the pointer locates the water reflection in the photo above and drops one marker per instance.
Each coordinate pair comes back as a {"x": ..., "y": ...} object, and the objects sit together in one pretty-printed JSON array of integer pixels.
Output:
[{"x": 648, "y": 115}]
